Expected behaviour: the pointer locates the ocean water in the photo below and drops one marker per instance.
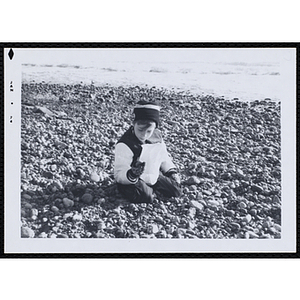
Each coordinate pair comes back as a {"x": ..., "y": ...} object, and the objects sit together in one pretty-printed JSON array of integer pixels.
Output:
[{"x": 246, "y": 78}]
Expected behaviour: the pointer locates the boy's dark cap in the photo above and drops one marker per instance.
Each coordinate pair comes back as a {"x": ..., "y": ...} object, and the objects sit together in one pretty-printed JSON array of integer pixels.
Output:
[{"x": 145, "y": 110}]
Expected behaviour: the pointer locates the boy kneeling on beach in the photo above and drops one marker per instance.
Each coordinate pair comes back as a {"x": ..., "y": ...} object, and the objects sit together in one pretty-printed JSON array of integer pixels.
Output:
[{"x": 142, "y": 162}]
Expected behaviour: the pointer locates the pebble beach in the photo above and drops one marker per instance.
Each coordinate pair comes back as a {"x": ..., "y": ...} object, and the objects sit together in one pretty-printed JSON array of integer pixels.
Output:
[{"x": 227, "y": 152}]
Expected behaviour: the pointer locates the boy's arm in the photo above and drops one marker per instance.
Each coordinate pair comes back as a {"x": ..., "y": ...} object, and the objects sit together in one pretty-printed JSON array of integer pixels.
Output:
[
  {"x": 167, "y": 166},
  {"x": 123, "y": 160}
]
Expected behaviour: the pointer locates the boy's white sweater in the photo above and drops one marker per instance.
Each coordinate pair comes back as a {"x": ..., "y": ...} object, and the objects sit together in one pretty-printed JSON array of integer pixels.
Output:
[{"x": 155, "y": 155}]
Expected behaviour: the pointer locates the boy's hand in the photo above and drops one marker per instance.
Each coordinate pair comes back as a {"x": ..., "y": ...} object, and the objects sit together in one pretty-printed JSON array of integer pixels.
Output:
[
  {"x": 138, "y": 168},
  {"x": 176, "y": 178}
]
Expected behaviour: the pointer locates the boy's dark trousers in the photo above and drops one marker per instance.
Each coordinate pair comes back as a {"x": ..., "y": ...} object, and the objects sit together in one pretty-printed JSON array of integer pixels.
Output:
[{"x": 143, "y": 193}]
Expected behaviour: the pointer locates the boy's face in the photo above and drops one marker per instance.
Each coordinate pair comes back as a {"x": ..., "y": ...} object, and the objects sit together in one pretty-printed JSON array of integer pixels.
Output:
[{"x": 143, "y": 130}]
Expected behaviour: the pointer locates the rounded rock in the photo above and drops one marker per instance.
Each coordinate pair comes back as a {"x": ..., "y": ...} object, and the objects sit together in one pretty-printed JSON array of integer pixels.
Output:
[
  {"x": 28, "y": 206},
  {"x": 62, "y": 235},
  {"x": 55, "y": 209},
  {"x": 26, "y": 196},
  {"x": 27, "y": 232},
  {"x": 94, "y": 177},
  {"x": 197, "y": 205},
  {"x": 87, "y": 198},
  {"x": 213, "y": 203},
  {"x": 153, "y": 228},
  {"x": 77, "y": 217},
  {"x": 34, "y": 212},
  {"x": 243, "y": 205},
  {"x": 230, "y": 213},
  {"x": 43, "y": 235},
  {"x": 253, "y": 212},
  {"x": 252, "y": 235},
  {"x": 67, "y": 202},
  {"x": 235, "y": 226},
  {"x": 247, "y": 219},
  {"x": 277, "y": 227},
  {"x": 193, "y": 180}
]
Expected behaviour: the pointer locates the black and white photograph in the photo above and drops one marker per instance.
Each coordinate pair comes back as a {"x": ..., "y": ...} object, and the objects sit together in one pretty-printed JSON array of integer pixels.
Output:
[{"x": 150, "y": 149}]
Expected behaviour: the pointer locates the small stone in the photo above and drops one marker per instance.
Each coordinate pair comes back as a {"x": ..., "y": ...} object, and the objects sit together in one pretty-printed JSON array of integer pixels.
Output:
[
  {"x": 26, "y": 196},
  {"x": 209, "y": 211},
  {"x": 28, "y": 206},
  {"x": 253, "y": 212},
  {"x": 54, "y": 189},
  {"x": 192, "y": 166},
  {"x": 252, "y": 235},
  {"x": 247, "y": 219},
  {"x": 265, "y": 236},
  {"x": 55, "y": 209},
  {"x": 94, "y": 177},
  {"x": 34, "y": 212},
  {"x": 67, "y": 215},
  {"x": 80, "y": 173},
  {"x": 235, "y": 226},
  {"x": 153, "y": 228},
  {"x": 27, "y": 232},
  {"x": 67, "y": 202},
  {"x": 88, "y": 234},
  {"x": 87, "y": 198},
  {"x": 55, "y": 229},
  {"x": 102, "y": 235},
  {"x": 58, "y": 184},
  {"x": 213, "y": 203},
  {"x": 60, "y": 145},
  {"x": 101, "y": 201},
  {"x": 257, "y": 188},
  {"x": 243, "y": 205},
  {"x": 77, "y": 217},
  {"x": 193, "y": 188},
  {"x": 197, "y": 205},
  {"x": 62, "y": 235},
  {"x": 190, "y": 231},
  {"x": 191, "y": 224},
  {"x": 273, "y": 230},
  {"x": 225, "y": 176},
  {"x": 101, "y": 225},
  {"x": 193, "y": 180},
  {"x": 160, "y": 220},
  {"x": 162, "y": 234},
  {"x": 207, "y": 192},
  {"x": 192, "y": 212},
  {"x": 48, "y": 175},
  {"x": 230, "y": 213},
  {"x": 251, "y": 203},
  {"x": 43, "y": 235},
  {"x": 239, "y": 172},
  {"x": 266, "y": 224},
  {"x": 217, "y": 223},
  {"x": 277, "y": 227}
]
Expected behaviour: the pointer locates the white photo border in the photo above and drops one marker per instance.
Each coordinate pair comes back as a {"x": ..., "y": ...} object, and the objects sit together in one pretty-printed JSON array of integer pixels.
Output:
[{"x": 14, "y": 244}]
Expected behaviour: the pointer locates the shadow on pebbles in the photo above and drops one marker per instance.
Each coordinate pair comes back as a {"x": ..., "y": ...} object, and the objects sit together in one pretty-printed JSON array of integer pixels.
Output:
[{"x": 228, "y": 154}]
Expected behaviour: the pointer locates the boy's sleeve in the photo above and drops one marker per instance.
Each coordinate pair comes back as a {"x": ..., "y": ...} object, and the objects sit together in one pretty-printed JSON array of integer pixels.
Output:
[
  {"x": 123, "y": 159},
  {"x": 167, "y": 165}
]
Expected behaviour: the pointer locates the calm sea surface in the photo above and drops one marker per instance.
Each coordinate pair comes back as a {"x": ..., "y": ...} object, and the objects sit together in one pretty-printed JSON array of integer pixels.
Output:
[{"x": 246, "y": 79}]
